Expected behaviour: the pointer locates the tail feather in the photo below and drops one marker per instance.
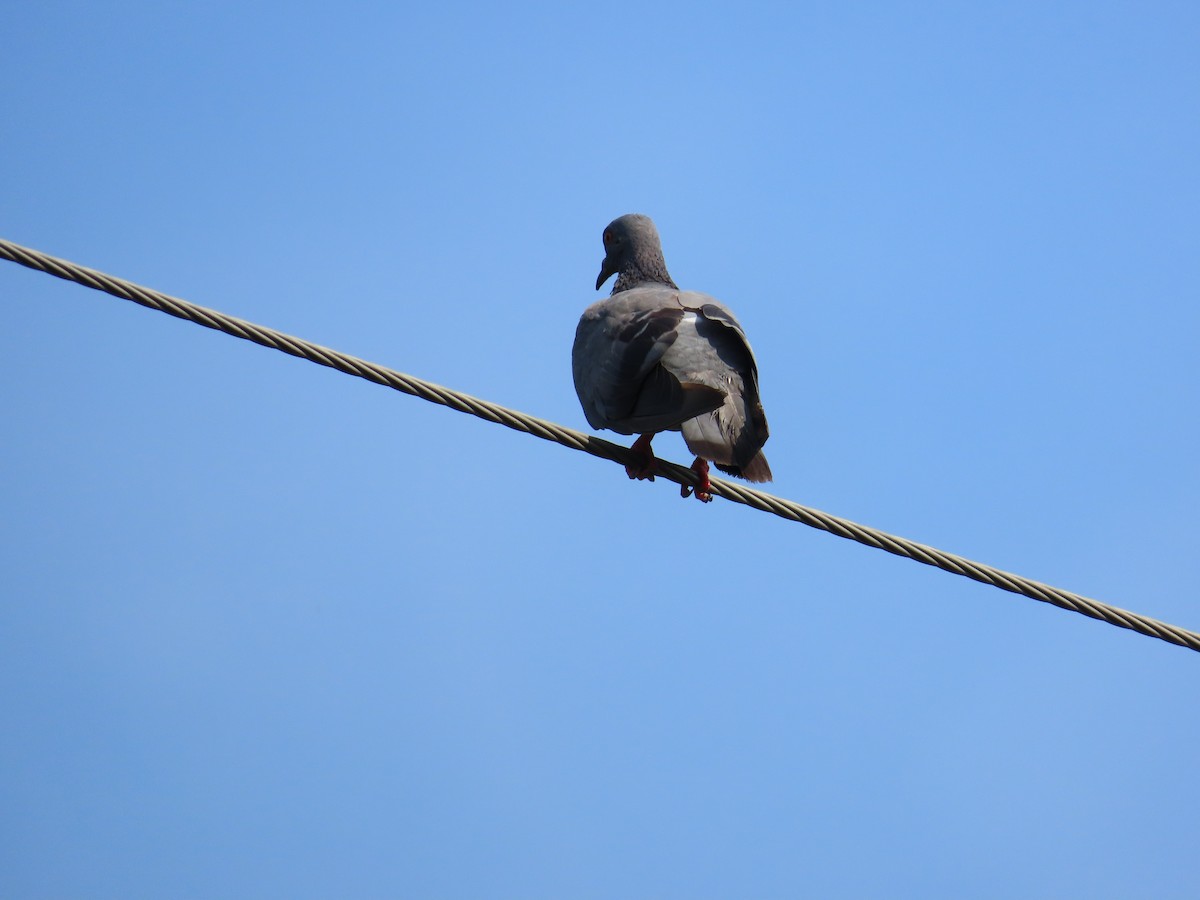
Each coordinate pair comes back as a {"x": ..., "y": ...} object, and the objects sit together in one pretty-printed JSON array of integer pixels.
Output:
[
  {"x": 756, "y": 470},
  {"x": 731, "y": 437}
]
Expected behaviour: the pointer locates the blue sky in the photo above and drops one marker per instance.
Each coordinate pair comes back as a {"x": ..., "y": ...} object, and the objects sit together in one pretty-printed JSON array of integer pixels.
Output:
[{"x": 272, "y": 631}]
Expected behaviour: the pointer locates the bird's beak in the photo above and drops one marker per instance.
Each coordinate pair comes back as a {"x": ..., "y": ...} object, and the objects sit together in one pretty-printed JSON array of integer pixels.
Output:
[{"x": 606, "y": 272}]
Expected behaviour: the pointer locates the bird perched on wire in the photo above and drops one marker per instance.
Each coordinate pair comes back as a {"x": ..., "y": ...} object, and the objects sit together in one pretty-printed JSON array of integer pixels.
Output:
[{"x": 653, "y": 358}]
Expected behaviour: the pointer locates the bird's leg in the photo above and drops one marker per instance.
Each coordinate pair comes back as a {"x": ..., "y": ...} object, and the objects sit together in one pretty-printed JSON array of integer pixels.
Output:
[
  {"x": 704, "y": 487},
  {"x": 645, "y": 466}
]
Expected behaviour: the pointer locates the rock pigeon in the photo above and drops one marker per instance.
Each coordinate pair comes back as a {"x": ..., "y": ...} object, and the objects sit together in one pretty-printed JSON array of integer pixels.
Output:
[{"x": 653, "y": 358}]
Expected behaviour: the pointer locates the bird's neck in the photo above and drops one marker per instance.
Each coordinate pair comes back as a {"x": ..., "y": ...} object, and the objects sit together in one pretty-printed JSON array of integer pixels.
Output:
[{"x": 643, "y": 271}]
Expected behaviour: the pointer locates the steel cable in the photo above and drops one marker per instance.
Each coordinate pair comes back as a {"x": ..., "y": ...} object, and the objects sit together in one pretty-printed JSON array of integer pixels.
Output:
[{"x": 578, "y": 440}]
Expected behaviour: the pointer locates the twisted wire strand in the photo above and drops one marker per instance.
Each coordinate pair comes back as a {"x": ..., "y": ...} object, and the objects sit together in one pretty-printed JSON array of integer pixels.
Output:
[{"x": 578, "y": 440}]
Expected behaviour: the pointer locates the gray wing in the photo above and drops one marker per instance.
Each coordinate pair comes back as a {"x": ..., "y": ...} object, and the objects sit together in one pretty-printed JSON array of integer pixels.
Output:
[
  {"x": 617, "y": 364},
  {"x": 716, "y": 352}
]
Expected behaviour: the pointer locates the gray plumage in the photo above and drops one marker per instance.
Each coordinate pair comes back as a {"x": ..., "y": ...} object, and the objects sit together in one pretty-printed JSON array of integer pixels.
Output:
[{"x": 654, "y": 358}]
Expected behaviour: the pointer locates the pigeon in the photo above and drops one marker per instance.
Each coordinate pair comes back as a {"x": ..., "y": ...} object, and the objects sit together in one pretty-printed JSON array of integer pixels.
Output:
[{"x": 653, "y": 358}]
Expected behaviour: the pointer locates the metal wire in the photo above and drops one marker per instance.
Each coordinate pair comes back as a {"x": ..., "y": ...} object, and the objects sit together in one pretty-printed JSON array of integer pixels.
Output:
[{"x": 578, "y": 440}]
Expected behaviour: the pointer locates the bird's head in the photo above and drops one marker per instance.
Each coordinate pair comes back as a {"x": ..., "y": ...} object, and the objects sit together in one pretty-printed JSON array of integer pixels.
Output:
[{"x": 633, "y": 251}]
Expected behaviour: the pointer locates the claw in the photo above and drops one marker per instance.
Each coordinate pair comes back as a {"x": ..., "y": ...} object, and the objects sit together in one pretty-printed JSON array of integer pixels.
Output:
[
  {"x": 703, "y": 490},
  {"x": 646, "y": 465}
]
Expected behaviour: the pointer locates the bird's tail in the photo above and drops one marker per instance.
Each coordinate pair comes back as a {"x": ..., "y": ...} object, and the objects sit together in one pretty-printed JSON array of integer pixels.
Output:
[{"x": 756, "y": 470}]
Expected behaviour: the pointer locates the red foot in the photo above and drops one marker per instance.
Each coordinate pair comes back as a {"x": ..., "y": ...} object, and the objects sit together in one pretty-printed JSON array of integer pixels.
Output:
[
  {"x": 646, "y": 465},
  {"x": 704, "y": 487}
]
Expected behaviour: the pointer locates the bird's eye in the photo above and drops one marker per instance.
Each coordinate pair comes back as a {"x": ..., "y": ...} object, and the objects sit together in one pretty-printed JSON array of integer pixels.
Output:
[{"x": 608, "y": 237}]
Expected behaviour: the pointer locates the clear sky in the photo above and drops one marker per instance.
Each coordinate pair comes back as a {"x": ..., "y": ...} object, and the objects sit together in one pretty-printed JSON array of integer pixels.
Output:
[{"x": 270, "y": 631}]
